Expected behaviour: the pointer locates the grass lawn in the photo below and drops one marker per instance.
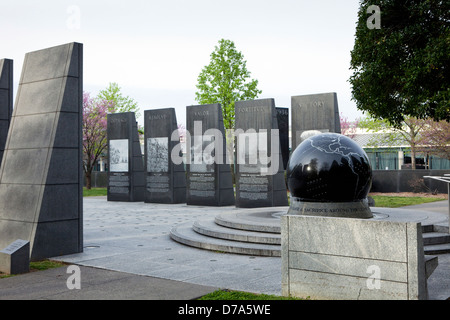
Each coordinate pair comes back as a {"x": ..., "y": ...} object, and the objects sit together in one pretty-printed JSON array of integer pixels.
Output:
[
  {"x": 396, "y": 202},
  {"x": 38, "y": 266},
  {"x": 94, "y": 192},
  {"x": 239, "y": 295},
  {"x": 388, "y": 201}
]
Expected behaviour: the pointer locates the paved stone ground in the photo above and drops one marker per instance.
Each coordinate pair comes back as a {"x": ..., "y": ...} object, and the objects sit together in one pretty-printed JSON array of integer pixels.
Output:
[
  {"x": 129, "y": 254},
  {"x": 134, "y": 238},
  {"x": 96, "y": 284}
]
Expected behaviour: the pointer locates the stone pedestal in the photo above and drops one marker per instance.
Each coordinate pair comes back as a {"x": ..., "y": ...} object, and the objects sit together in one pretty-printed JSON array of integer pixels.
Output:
[
  {"x": 329, "y": 258},
  {"x": 15, "y": 258}
]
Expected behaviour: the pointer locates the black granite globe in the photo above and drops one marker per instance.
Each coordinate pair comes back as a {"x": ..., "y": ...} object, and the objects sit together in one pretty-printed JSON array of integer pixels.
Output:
[{"x": 329, "y": 167}]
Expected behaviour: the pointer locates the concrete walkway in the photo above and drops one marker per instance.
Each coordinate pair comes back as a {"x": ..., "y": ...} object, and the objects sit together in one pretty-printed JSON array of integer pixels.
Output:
[
  {"x": 128, "y": 254},
  {"x": 96, "y": 284}
]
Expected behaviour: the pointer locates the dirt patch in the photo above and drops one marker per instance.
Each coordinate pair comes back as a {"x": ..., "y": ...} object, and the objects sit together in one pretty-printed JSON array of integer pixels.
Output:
[{"x": 410, "y": 194}]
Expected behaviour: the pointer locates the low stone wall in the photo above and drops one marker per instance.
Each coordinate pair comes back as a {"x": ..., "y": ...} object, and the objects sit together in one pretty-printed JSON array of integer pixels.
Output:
[
  {"x": 383, "y": 180},
  {"x": 407, "y": 181}
]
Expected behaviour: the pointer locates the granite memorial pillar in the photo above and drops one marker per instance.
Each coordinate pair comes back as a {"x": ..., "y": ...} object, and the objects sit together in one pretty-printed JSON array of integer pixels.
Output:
[
  {"x": 41, "y": 177},
  {"x": 314, "y": 113},
  {"x": 283, "y": 129},
  {"x": 165, "y": 180},
  {"x": 6, "y": 100},
  {"x": 209, "y": 181},
  {"x": 260, "y": 180},
  {"x": 125, "y": 162}
]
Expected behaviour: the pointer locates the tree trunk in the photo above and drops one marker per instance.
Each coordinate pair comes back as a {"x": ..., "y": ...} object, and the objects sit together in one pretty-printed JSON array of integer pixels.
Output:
[
  {"x": 88, "y": 179},
  {"x": 229, "y": 141},
  {"x": 413, "y": 157}
]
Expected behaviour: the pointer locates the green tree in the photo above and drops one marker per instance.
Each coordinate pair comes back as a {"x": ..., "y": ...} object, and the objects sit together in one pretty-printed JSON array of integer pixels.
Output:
[
  {"x": 226, "y": 80},
  {"x": 402, "y": 69},
  {"x": 120, "y": 103}
]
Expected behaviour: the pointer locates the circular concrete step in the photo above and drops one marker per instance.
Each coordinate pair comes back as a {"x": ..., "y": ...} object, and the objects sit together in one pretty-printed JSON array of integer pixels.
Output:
[
  {"x": 258, "y": 231},
  {"x": 259, "y": 221},
  {"x": 211, "y": 229},
  {"x": 185, "y": 234}
]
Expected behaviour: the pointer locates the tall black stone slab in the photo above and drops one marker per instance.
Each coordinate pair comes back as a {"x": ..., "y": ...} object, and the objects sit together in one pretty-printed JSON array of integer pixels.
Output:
[
  {"x": 283, "y": 128},
  {"x": 6, "y": 100},
  {"x": 260, "y": 178},
  {"x": 41, "y": 177},
  {"x": 208, "y": 184},
  {"x": 165, "y": 180},
  {"x": 126, "y": 180},
  {"x": 318, "y": 112}
]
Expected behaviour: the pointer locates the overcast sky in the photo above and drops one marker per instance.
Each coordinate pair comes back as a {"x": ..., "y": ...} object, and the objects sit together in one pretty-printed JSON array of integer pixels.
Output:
[{"x": 155, "y": 50}]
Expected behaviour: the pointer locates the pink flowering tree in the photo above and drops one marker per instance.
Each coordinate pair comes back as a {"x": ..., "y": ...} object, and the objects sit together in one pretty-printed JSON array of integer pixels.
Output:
[
  {"x": 348, "y": 128},
  {"x": 95, "y": 139},
  {"x": 435, "y": 138}
]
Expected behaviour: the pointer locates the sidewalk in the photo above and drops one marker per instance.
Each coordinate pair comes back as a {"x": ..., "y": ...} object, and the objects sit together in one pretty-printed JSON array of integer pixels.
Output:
[
  {"x": 128, "y": 254},
  {"x": 96, "y": 284}
]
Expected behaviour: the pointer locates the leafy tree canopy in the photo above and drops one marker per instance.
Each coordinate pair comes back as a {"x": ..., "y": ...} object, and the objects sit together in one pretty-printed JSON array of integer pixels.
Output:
[
  {"x": 120, "y": 103},
  {"x": 226, "y": 80},
  {"x": 402, "y": 69}
]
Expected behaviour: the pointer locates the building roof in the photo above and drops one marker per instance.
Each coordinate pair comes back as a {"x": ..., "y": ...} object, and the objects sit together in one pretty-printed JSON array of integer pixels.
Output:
[{"x": 366, "y": 139}]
